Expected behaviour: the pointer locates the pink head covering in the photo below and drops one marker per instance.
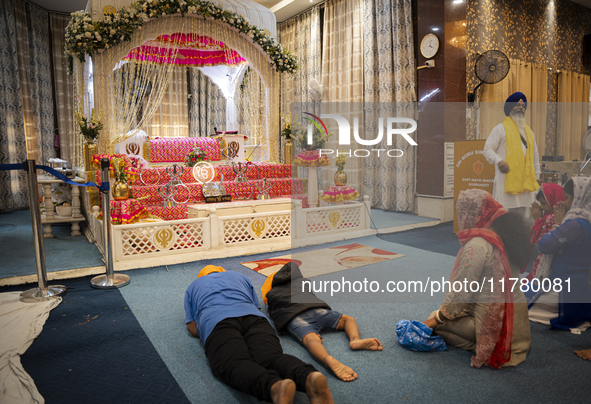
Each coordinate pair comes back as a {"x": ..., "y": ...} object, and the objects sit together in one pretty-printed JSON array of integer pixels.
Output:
[{"x": 477, "y": 209}]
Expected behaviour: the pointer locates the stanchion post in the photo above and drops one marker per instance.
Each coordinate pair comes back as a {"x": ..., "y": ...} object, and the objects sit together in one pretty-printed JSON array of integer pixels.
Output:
[
  {"x": 43, "y": 292},
  {"x": 110, "y": 280}
]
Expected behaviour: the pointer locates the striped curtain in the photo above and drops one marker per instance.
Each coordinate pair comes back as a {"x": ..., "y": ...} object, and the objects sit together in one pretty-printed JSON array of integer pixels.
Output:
[
  {"x": 26, "y": 96},
  {"x": 389, "y": 72},
  {"x": 207, "y": 107}
]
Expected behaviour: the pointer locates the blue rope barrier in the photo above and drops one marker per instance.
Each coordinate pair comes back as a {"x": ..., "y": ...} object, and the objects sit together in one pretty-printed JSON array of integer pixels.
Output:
[{"x": 104, "y": 187}]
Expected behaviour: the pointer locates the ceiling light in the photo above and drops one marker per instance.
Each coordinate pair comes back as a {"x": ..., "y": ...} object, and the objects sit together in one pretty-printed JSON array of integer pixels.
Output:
[
  {"x": 435, "y": 29},
  {"x": 280, "y": 5}
]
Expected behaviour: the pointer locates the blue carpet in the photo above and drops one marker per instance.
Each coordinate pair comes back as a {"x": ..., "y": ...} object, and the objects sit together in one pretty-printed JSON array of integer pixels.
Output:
[
  {"x": 93, "y": 350},
  {"x": 382, "y": 218},
  {"x": 61, "y": 252},
  {"x": 551, "y": 372},
  {"x": 439, "y": 239}
]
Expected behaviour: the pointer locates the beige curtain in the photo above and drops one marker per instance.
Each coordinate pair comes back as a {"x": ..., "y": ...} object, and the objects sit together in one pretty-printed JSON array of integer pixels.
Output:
[
  {"x": 171, "y": 118},
  {"x": 342, "y": 79},
  {"x": 538, "y": 107},
  {"x": 301, "y": 35},
  {"x": 573, "y": 114},
  {"x": 250, "y": 99},
  {"x": 63, "y": 87},
  {"x": 532, "y": 80},
  {"x": 342, "y": 54},
  {"x": 389, "y": 71}
]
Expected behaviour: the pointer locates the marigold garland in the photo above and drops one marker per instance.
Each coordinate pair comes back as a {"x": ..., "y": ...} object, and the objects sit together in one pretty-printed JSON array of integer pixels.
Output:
[{"x": 85, "y": 37}]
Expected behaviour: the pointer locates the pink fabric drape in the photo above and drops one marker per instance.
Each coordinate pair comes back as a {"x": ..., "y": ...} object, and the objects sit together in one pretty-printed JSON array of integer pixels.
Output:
[{"x": 194, "y": 50}]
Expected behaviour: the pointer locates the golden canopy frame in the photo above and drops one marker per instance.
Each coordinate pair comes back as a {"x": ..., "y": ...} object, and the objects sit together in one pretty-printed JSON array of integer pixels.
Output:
[{"x": 106, "y": 61}]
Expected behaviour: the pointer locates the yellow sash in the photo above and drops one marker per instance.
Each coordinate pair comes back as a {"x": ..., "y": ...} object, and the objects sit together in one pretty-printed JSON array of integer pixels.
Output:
[{"x": 522, "y": 175}]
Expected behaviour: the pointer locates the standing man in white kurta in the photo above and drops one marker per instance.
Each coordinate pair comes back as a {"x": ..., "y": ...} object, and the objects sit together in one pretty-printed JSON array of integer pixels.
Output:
[{"x": 512, "y": 149}]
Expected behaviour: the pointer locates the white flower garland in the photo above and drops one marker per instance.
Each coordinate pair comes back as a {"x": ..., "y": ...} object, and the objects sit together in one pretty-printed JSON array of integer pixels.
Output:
[{"x": 83, "y": 37}]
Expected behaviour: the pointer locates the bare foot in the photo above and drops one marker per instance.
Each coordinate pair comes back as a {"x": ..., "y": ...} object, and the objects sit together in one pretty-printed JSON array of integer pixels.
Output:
[
  {"x": 317, "y": 389},
  {"x": 585, "y": 354},
  {"x": 371, "y": 344},
  {"x": 283, "y": 391},
  {"x": 345, "y": 373}
]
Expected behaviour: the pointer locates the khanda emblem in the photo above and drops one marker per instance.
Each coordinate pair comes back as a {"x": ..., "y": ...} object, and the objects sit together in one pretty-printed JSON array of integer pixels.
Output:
[
  {"x": 234, "y": 147},
  {"x": 108, "y": 10},
  {"x": 164, "y": 238},
  {"x": 258, "y": 228},
  {"x": 133, "y": 148},
  {"x": 478, "y": 167},
  {"x": 203, "y": 172},
  {"x": 334, "y": 217}
]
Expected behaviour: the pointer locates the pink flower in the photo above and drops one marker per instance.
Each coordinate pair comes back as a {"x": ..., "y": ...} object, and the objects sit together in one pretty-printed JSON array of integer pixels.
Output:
[{"x": 91, "y": 126}]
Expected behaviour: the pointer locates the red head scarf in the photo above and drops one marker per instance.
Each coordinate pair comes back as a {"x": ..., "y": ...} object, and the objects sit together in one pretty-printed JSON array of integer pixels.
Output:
[
  {"x": 553, "y": 193},
  {"x": 476, "y": 211}
]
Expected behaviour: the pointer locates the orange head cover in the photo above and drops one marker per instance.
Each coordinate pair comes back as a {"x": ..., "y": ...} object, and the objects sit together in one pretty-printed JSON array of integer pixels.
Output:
[{"x": 209, "y": 269}]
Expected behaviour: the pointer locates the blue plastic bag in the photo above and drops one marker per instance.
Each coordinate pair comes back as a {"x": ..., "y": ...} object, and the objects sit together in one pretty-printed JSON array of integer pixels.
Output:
[{"x": 416, "y": 336}]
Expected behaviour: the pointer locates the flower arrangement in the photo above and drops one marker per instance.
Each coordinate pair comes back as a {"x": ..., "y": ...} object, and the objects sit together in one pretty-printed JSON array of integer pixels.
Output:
[
  {"x": 85, "y": 37},
  {"x": 286, "y": 127},
  {"x": 195, "y": 156},
  {"x": 89, "y": 128},
  {"x": 119, "y": 165},
  {"x": 340, "y": 162},
  {"x": 299, "y": 135}
]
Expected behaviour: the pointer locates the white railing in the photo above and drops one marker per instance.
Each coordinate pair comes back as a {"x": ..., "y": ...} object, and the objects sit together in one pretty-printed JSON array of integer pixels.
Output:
[
  {"x": 160, "y": 238},
  {"x": 329, "y": 220},
  {"x": 166, "y": 242}
]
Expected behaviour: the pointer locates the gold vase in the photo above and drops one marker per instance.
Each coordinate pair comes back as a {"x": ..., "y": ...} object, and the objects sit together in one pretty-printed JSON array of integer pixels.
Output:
[
  {"x": 120, "y": 191},
  {"x": 287, "y": 152},
  {"x": 340, "y": 178},
  {"x": 89, "y": 151}
]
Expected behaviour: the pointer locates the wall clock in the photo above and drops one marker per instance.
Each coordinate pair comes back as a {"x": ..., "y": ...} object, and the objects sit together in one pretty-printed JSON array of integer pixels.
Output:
[{"x": 429, "y": 45}]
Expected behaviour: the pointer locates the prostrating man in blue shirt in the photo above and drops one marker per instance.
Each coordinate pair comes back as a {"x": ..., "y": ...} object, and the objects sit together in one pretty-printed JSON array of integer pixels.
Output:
[{"x": 241, "y": 345}]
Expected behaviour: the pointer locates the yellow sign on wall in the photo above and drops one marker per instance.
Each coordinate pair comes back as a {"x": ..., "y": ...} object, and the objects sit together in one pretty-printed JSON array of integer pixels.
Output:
[{"x": 471, "y": 170}]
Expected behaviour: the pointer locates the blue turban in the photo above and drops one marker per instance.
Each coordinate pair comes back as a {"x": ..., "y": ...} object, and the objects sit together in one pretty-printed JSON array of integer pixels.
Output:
[{"x": 513, "y": 100}]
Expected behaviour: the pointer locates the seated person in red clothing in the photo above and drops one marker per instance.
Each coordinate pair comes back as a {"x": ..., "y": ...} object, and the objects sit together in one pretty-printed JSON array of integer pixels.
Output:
[
  {"x": 304, "y": 321},
  {"x": 240, "y": 343},
  {"x": 543, "y": 213}
]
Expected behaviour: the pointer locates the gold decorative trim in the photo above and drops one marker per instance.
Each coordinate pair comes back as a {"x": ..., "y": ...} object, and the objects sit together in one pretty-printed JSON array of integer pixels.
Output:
[{"x": 147, "y": 150}]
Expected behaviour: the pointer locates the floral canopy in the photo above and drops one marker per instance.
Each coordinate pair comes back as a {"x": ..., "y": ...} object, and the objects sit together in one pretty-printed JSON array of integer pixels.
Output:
[
  {"x": 157, "y": 36},
  {"x": 86, "y": 34},
  {"x": 193, "y": 50}
]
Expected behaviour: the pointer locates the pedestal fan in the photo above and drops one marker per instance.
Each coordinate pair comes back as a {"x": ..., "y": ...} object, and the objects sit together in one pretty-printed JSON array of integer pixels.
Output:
[
  {"x": 491, "y": 67},
  {"x": 315, "y": 90}
]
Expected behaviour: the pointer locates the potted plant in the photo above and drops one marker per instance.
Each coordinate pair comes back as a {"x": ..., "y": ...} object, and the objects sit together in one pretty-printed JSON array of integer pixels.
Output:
[
  {"x": 286, "y": 133},
  {"x": 89, "y": 128}
]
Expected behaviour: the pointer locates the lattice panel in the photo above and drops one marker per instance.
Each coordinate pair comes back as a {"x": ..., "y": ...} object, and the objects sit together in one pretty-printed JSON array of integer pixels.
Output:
[
  {"x": 317, "y": 221},
  {"x": 236, "y": 230},
  {"x": 139, "y": 240},
  {"x": 279, "y": 226},
  {"x": 351, "y": 218}
]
